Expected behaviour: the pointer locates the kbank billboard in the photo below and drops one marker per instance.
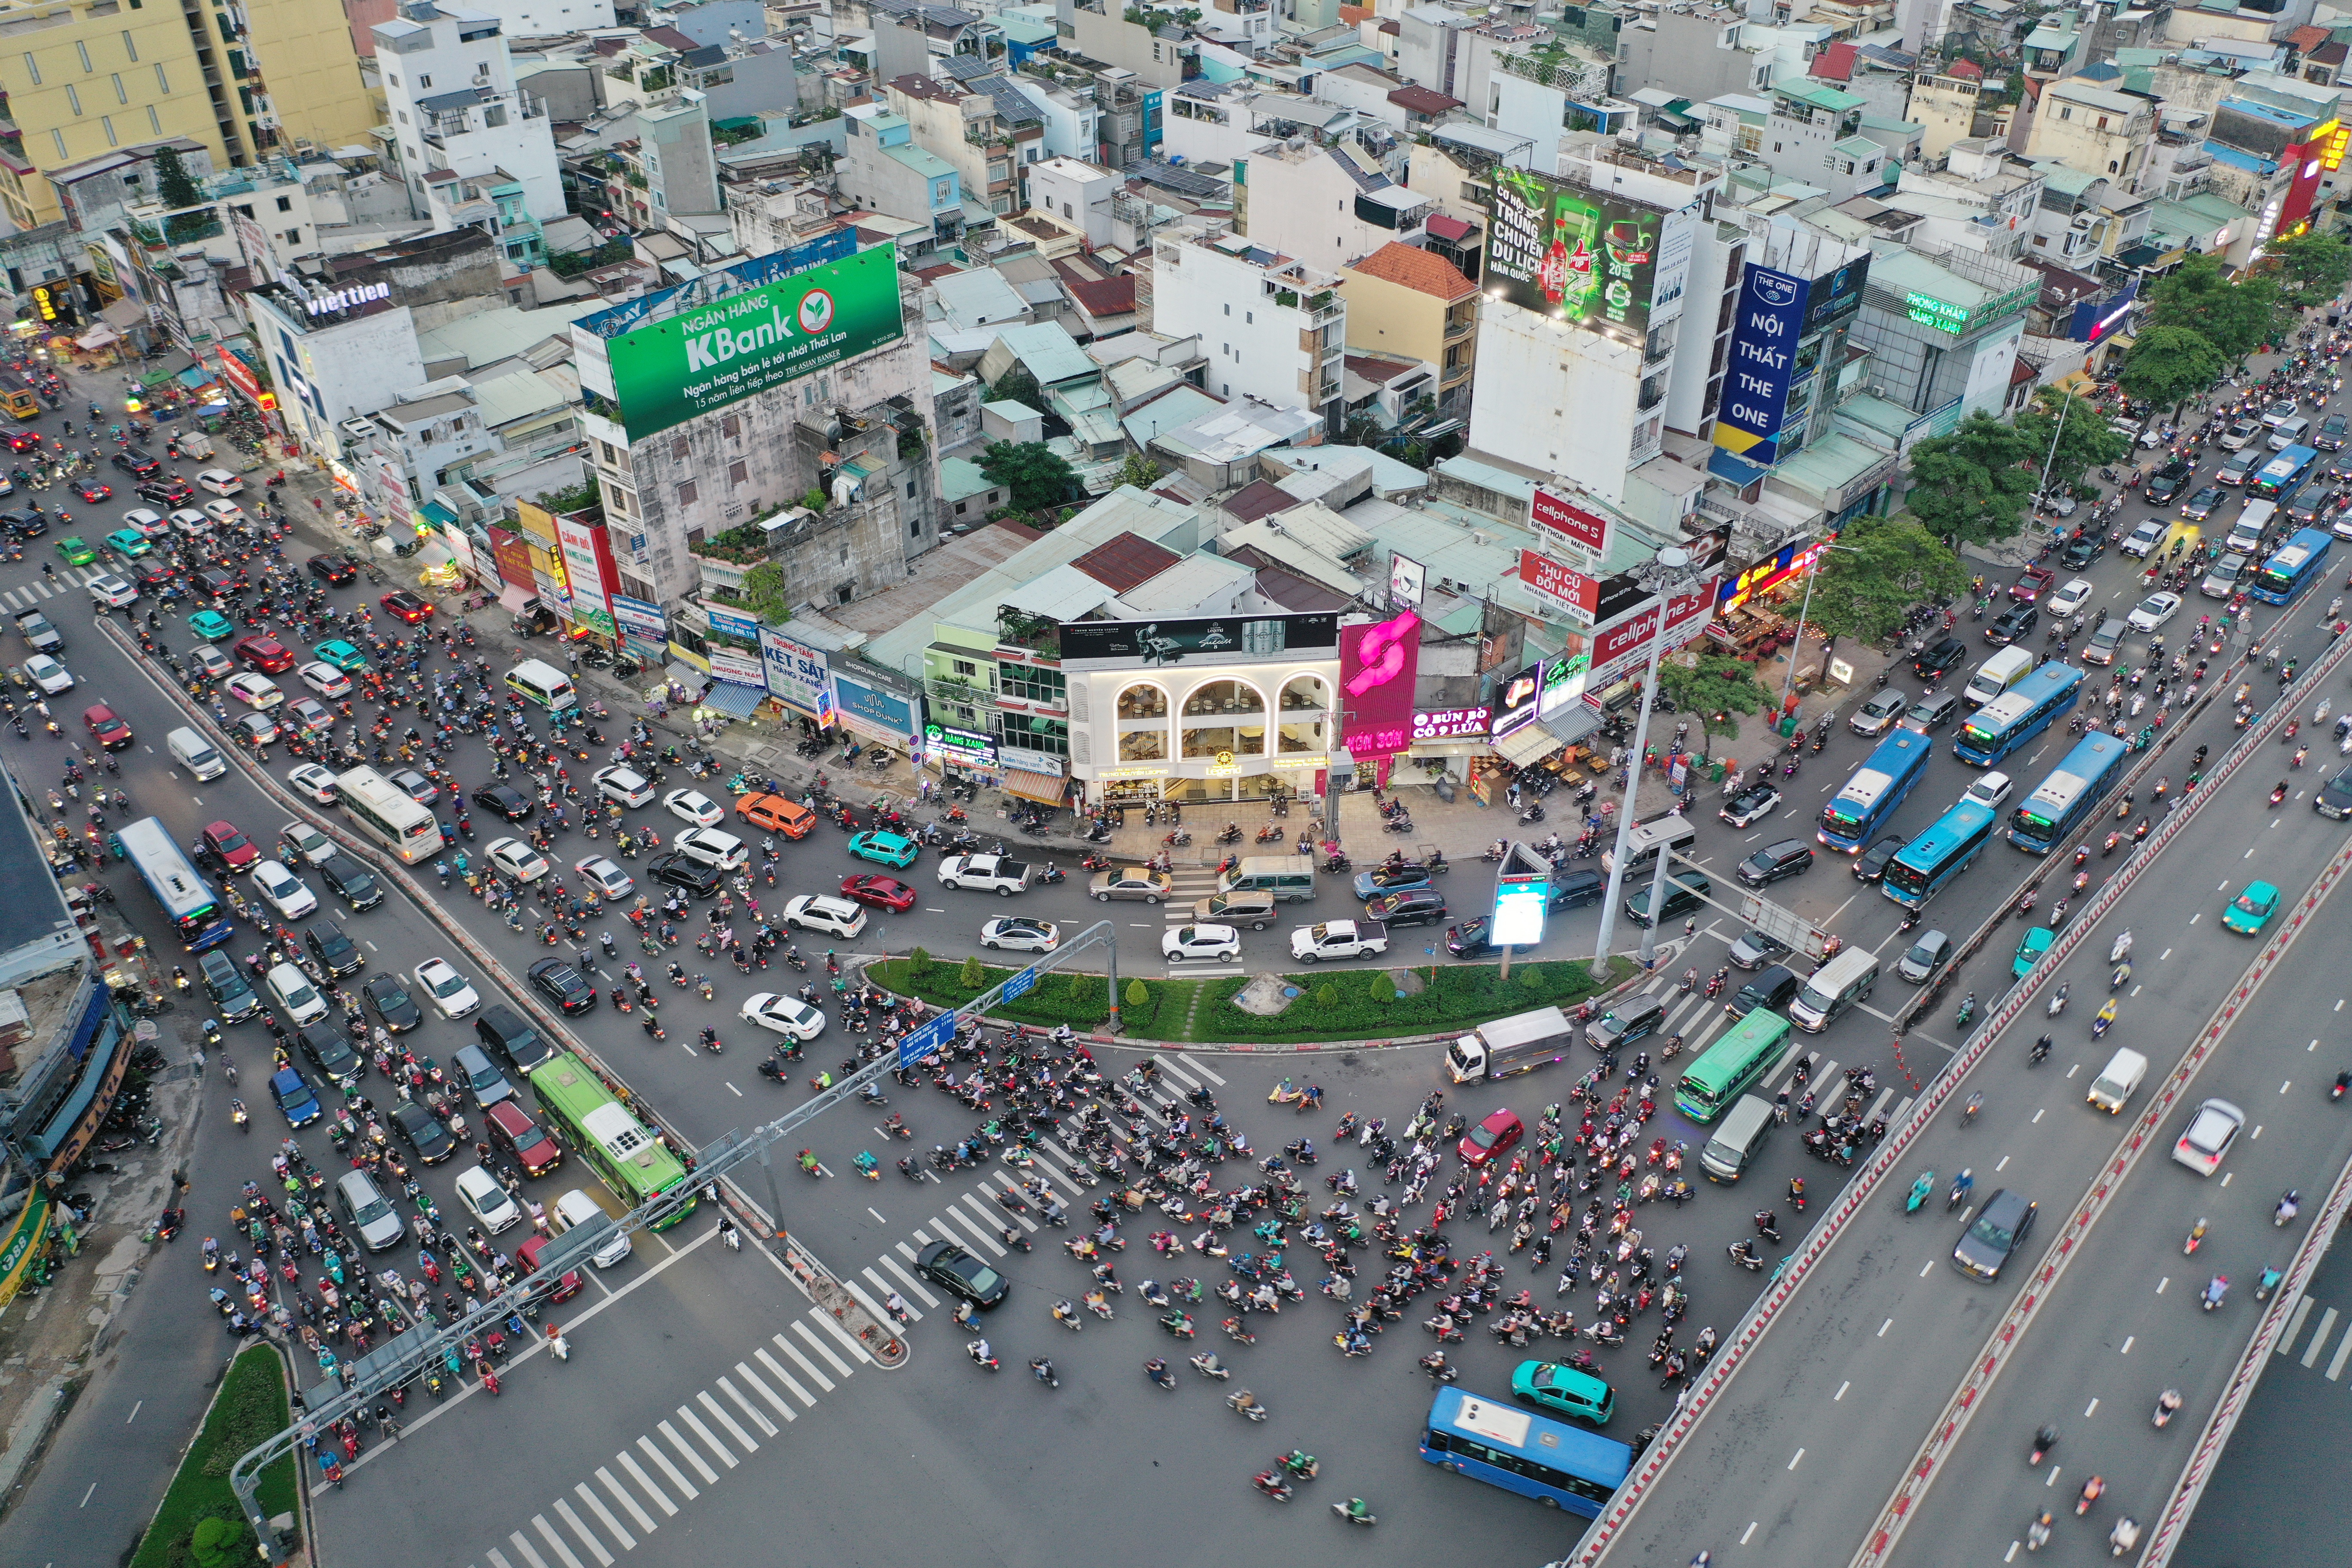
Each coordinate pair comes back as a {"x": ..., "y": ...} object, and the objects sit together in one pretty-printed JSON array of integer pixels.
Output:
[{"x": 707, "y": 357}]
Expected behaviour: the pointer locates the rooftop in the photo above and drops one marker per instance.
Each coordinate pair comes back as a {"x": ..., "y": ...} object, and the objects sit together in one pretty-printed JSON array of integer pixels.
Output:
[{"x": 1420, "y": 271}]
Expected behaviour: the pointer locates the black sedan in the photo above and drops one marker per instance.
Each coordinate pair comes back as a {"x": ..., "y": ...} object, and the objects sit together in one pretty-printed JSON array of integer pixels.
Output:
[
  {"x": 505, "y": 801},
  {"x": 1999, "y": 1230},
  {"x": 333, "y": 568},
  {"x": 959, "y": 1273},
  {"x": 1412, "y": 907},
  {"x": 1936, "y": 660},
  {"x": 2165, "y": 482},
  {"x": 2334, "y": 797},
  {"x": 391, "y": 1001},
  {"x": 325, "y": 1043},
  {"x": 2204, "y": 504},
  {"x": 352, "y": 882},
  {"x": 678, "y": 871},
  {"x": 135, "y": 463},
  {"x": 561, "y": 985},
  {"x": 2012, "y": 624},
  {"x": 337, "y": 955},
  {"x": 1871, "y": 864},
  {"x": 90, "y": 490},
  {"x": 1469, "y": 939},
  {"x": 166, "y": 492},
  {"x": 423, "y": 1131}
]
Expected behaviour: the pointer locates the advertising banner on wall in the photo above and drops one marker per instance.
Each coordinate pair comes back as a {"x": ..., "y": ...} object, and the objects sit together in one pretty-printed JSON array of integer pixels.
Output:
[
  {"x": 959, "y": 748},
  {"x": 1835, "y": 296},
  {"x": 733, "y": 623},
  {"x": 639, "y": 619},
  {"x": 1579, "y": 532},
  {"x": 1769, "y": 320},
  {"x": 1377, "y": 663},
  {"x": 872, "y": 710},
  {"x": 1451, "y": 723},
  {"x": 576, "y": 538},
  {"x": 1514, "y": 704},
  {"x": 513, "y": 556},
  {"x": 701, "y": 360},
  {"x": 1408, "y": 581},
  {"x": 1566, "y": 589},
  {"x": 737, "y": 668},
  {"x": 1563, "y": 682},
  {"x": 1573, "y": 254},
  {"x": 797, "y": 676},
  {"x": 1626, "y": 644},
  {"x": 1222, "y": 640}
]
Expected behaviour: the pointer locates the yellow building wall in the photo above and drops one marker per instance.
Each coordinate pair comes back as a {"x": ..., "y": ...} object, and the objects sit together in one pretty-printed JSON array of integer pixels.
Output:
[
  {"x": 311, "y": 72},
  {"x": 1392, "y": 321}
]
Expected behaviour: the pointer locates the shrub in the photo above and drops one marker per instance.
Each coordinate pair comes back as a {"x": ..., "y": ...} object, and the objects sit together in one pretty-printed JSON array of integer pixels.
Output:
[
  {"x": 215, "y": 1543},
  {"x": 1535, "y": 979},
  {"x": 918, "y": 962},
  {"x": 1327, "y": 996},
  {"x": 1383, "y": 989},
  {"x": 1082, "y": 1001},
  {"x": 969, "y": 975},
  {"x": 1136, "y": 993},
  {"x": 1345, "y": 1006}
]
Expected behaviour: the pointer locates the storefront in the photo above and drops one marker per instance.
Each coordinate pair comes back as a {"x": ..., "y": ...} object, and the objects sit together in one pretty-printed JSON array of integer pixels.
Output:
[
  {"x": 875, "y": 706},
  {"x": 1205, "y": 735}
]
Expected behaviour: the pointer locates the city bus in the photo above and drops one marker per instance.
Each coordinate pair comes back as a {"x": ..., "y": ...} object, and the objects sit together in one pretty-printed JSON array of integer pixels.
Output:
[
  {"x": 2071, "y": 793},
  {"x": 1938, "y": 855},
  {"x": 1551, "y": 1461},
  {"x": 637, "y": 1165},
  {"x": 1876, "y": 788},
  {"x": 2018, "y": 714},
  {"x": 383, "y": 811},
  {"x": 1726, "y": 1069},
  {"x": 2295, "y": 567},
  {"x": 2278, "y": 480},
  {"x": 195, "y": 909}
]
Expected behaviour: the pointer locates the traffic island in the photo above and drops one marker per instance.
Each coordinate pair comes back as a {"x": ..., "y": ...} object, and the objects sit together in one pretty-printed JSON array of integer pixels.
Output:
[{"x": 199, "y": 1524}]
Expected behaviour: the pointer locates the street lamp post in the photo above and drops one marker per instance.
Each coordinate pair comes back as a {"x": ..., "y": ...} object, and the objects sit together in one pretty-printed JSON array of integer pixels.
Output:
[
  {"x": 1671, "y": 573},
  {"x": 1804, "y": 615}
]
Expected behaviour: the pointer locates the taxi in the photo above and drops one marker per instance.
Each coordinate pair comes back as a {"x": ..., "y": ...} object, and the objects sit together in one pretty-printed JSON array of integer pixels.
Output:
[
  {"x": 212, "y": 626},
  {"x": 76, "y": 551},
  {"x": 129, "y": 543},
  {"x": 888, "y": 848},
  {"x": 340, "y": 654}
]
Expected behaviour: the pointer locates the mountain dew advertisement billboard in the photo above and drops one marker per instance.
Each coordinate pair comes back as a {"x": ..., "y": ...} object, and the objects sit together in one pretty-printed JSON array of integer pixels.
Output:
[{"x": 710, "y": 357}]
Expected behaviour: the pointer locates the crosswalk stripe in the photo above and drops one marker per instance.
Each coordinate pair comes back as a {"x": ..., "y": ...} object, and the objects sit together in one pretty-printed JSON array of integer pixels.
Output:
[
  {"x": 767, "y": 1426},
  {"x": 596, "y": 1506},
  {"x": 965, "y": 1234},
  {"x": 1005, "y": 1179},
  {"x": 497, "y": 1559},
  {"x": 628, "y": 1462},
  {"x": 865, "y": 1300},
  {"x": 1168, "y": 1065},
  {"x": 686, "y": 1451},
  {"x": 621, "y": 1495},
  {"x": 734, "y": 1427},
  {"x": 833, "y": 1325},
  {"x": 776, "y": 1401},
  {"x": 1059, "y": 1152},
  {"x": 906, "y": 1250},
  {"x": 709, "y": 1438},
  {"x": 913, "y": 1284},
  {"x": 805, "y": 1364},
  {"x": 886, "y": 1287},
  {"x": 1057, "y": 1178},
  {"x": 803, "y": 1395},
  {"x": 801, "y": 1328},
  {"x": 986, "y": 1226},
  {"x": 587, "y": 1536},
  {"x": 554, "y": 1542},
  {"x": 1204, "y": 1072},
  {"x": 2294, "y": 1326},
  {"x": 529, "y": 1555},
  {"x": 2319, "y": 1339},
  {"x": 672, "y": 1471}
]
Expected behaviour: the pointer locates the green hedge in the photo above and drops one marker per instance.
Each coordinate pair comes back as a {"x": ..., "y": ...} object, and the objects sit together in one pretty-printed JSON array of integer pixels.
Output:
[
  {"x": 1081, "y": 1001},
  {"x": 249, "y": 1408},
  {"x": 1347, "y": 1003}
]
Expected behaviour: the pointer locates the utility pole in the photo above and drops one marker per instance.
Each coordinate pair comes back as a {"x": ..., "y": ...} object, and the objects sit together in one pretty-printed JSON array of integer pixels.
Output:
[{"x": 1671, "y": 571}]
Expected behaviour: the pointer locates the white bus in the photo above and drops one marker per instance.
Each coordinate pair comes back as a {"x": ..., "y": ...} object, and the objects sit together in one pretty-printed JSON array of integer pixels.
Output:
[{"x": 383, "y": 811}]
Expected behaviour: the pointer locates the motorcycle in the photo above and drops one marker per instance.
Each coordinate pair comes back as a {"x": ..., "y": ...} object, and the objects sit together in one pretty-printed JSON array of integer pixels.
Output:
[
  {"x": 2216, "y": 1290},
  {"x": 1920, "y": 1188}
]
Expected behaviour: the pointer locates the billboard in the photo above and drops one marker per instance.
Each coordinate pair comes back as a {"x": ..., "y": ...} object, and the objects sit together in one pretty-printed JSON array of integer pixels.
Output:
[
  {"x": 1514, "y": 703},
  {"x": 1626, "y": 644},
  {"x": 1408, "y": 581},
  {"x": 744, "y": 629},
  {"x": 1216, "y": 639},
  {"x": 702, "y": 360},
  {"x": 638, "y": 618},
  {"x": 1834, "y": 296},
  {"x": 513, "y": 556},
  {"x": 1450, "y": 724},
  {"x": 737, "y": 668},
  {"x": 797, "y": 674},
  {"x": 1571, "y": 592},
  {"x": 576, "y": 540},
  {"x": 1578, "y": 528},
  {"x": 1563, "y": 682},
  {"x": 1573, "y": 255},
  {"x": 1377, "y": 663},
  {"x": 869, "y": 709},
  {"x": 1769, "y": 320},
  {"x": 768, "y": 269}
]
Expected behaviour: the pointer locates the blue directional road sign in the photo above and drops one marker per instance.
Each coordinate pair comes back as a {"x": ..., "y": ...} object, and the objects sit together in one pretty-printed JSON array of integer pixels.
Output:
[
  {"x": 923, "y": 1040},
  {"x": 1020, "y": 982}
]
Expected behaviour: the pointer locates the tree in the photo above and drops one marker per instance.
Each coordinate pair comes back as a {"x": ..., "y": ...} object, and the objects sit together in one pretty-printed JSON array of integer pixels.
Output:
[
  {"x": 1382, "y": 989},
  {"x": 1017, "y": 385},
  {"x": 1032, "y": 473},
  {"x": 2170, "y": 366},
  {"x": 1972, "y": 486},
  {"x": 971, "y": 976},
  {"x": 2070, "y": 436},
  {"x": 1880, "y": 567},
  {"x": 1140, "y": 470},
  {"x": 1714, "y": 689},
  {"x": 764, "y": 595},
  {"x": 2312, "y": 269},
  {"x": 2237, "y": 317},
  {"x": 173, "y": 183}
]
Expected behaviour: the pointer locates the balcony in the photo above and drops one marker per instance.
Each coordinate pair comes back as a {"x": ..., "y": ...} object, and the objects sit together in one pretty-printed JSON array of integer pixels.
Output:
[
  {"x": 961, "y": 693},
  {"x": 1460, "y": 325}
]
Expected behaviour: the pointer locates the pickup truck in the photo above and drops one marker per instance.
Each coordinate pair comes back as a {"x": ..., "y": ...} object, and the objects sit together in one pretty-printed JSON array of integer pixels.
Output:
[
  {"x": 987, "y": 873},
  {"x": 38, "y": 634},
  {"x": 1339, "y": 939}
]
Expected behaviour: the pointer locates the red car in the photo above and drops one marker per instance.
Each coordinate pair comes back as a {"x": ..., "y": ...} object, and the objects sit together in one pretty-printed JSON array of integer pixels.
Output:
[
  {"x": 112, "y": 733},
  {"x": 230, "y": 847},
  {"x": 1491, "y": 1139},
  {"x": 267, "y": 655},
  {"x": 407, "y": 607},
  {"x": 24, "y": 440},
  {"x": 2032, "y": 584},
  {"x": 882, "y": 892},
  {"x": 90, "y": 490}
]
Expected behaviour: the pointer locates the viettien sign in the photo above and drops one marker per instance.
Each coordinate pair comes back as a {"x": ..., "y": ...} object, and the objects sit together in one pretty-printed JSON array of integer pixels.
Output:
[{"x": 1763, "y": 365}]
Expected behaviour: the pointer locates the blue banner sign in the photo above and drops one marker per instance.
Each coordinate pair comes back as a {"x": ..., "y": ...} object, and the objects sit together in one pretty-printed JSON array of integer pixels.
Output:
[{"x": 1763, "y": 362}]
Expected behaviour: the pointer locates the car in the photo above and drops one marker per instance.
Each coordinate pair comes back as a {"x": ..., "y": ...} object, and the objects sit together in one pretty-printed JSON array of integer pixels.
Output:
[
  {"x": 332, "y": 1055},
  {"x": 506, "y": 803},
  {"x": 305, "y": 842},
  {"x": 1870, "y": 866},
  {"x": 40, "y": 634},
  {"x": 1382, "y": 879},
  {"x": 211, "y": 626},
  {"x": 218, "y": 582},
  {"x": 1493, "y": 1138},
  {"x": 255, "y": 729},
  {"x": 1788, "y": 857},
  {"x": 149, "y": 524},
  {"x": 325, "y": 680},
  {"x": 1999, "y": 1229},
  {"x": 1575, "y": 890},
  {"x": 1020, "y": 934},
  {"x": 678, "y": 871},
  {"x": 2165, "y": 483},
  {"x": 89, "y": 491},
  {"x": 129, "y": 543},
  {"x": 2152, "y": 612},
  {"x": 561, "y": 985},
  {"x": 1926, "y": 958},
  {"x": 1470, "y": 939},
  {"x": 2030, "y": 949},
  {"x": 1878, "y": 715},
  {"x": 606, "y": 878},
  {"x": 1563, "y": 1390},
  {"x": 959, "y": 1273},
  {"x": 2250, "y": 910},
  {"x": 2334, "y": 799},
  {"x": 693, "y": 807},
  {"x": 446, "y": 989},
  {"x": 205, "y": 660},
  {"x": 24, "y": 524},
  {"x": 2239, "y": 433},
  {"x": 1989, "y": 788},
  {"x": 75, "y": 551},
  {"x": 105, "y": 727},
  {"x": 823, "y": 912},
  {"x": 225, "y": 983},
  {"x": 295, "y": 994},
  {"x": 337, "y": 954},
  {"x": 888, "y": 848},
  {"x": 786, "y": 1015},
  {"x": 2144, "y": 538},
  {"x": 2032, "y": 584},
  {"x": 306, "y": 714},
  {"x": 111, "y": 591},
  {"x": 881, "y": 892},
  {"x": 139, "y": 465},
  {"x": 311, "y": 780},
  {"x": 2080, "y": 551},
  {"x": 1755, "y": 949},
  {"x": 223, "y": 844},
  {"x": 414, "y": 786},
  {"x": 1749, "y": 806},
  {"x": 223, "y": 512},
  {"x": 267, "y": 655},
  {"x": 512, "y": 1129},
  {"x": 2069, "y": 599},
  {"x": 350, "y": 882},
  {"x": 403, "y": 606},
  {"x": 517, "y": 859},
  {"x": 1408, "y": 907},
  {"x": 166, "y": 492},
  {"x": 775, "y": 814},
  {"x": 341, "y": 654},
  {"x": 487, "y": 1201},
  {"x": 423, "y": 1133},
  {"x": 24, "y": 440},
  {"x": 188, "y": 519},
  {"x": 287, "y": 893},
  {"x": 1933, "y": 712},
  {"x": 47, "y": 674},
  {"x": 254, "y": 690},
  {"x": 2012, "y": 624},
  {"x": 2208, "y": 1135},
  {"x": 2329, "y": 436},
  {"x": 296, "y": 1100},
  {"x": 2058, "y": 503},
  {"x": 156, "y": 577},
  {"x": 334, "y": 570},
  {"x": 1933, "y": 662},
  {"x": 625, "y": 786},
  {"x": 388, "y": 995},
  {"x": 1687, "y": 894},
  {"x": 2204, "y": 504}
]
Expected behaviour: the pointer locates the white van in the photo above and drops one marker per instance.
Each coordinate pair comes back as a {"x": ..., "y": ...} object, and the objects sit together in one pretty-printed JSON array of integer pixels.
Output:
[
  {"x": 1834, "y": 987},
  {"x": 1997, "y": 675},
  {"x": 543, "y": 684},
  {"x": 2117, "y": 1080},
  {"x": 369, "y": 1215},
  {"x": 195, "y": 753}
]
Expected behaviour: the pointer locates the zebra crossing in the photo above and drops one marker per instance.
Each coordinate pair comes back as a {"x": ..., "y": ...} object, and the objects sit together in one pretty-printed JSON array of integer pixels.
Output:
[
  {"x": 40, "y": 588},
  {"x": 2326, "y": 1331}
]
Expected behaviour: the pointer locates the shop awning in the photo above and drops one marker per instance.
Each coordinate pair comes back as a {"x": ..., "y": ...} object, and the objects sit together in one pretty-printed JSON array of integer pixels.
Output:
[
  {"x": 195, "y": 375},
  {"x": 123, "y": 314},
  {"x": 515, "y": 600},
  {"x": 686, "y": 677},
  {"x": 1045, "y": 789},
  {"x": 1527, "y": 744},
  {"x": 735, "y": 701},
  {"x": 98, "y": 338}
]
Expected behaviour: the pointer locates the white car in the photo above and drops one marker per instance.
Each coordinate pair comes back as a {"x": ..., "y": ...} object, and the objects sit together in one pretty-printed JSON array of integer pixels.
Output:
[
  {"x": 787, "y": 1016},
  {"x": 188, "y": 519},
  {"x": 606, "y": 878},
  {"x": 2153, "y": 611},
  {"x": 317, "y": 782},
  {"x": 624, "y": 784},
  {"x": 1222, "y": 943},
  {"x": 325, "y": 680},
  {"x": 209, "y": 662},
  {"x": 709, "y": 847},
  {"x": 2144, "y": 538},
  {"x": 517, "y": 860},
  {"x": 2068, "y": 599},
  {"x": 487, "y": 1201},
  {"x": 1021, "y": 935},
  {"x": 446, "y": 989},
  {"x": 47, "y": 674},
  {"x": 254, "y": 690},
  {"x": 287, "y": 893},
  {"x": 219, "y": 481},
  {"x": 295, "y": 994},
  {"x": 111, "y": 591},
  {"x": 151, "y": 524},
  {"x": 576, "y": 1208},
  {"x": 1990, "y": 789},
  {"x": 2209, "y": 1134},
  {"x": 224, "y": 511},
  {"x": 694, "y": 806},
  {"x": 823, "y": 912},
  {"x": 307, "y": 841}
]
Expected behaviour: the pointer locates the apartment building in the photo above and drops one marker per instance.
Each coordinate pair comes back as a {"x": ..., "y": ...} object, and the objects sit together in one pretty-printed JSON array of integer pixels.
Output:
[
  {"x": 1410, "y": 305},
  {"x": 1273, "y": 328},
  {"x": 1326, "y": 204},
  {"x": 448, "y": 80}
]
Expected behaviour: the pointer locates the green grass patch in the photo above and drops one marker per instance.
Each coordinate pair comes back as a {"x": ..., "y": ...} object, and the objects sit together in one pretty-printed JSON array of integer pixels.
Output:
[
  {"x": 248, "y": 1408},
  {"x": 1081, "y": 1001}
]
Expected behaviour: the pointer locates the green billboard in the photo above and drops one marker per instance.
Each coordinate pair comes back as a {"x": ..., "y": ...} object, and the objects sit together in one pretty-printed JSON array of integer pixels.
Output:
[{"x": 706, "y": 358}]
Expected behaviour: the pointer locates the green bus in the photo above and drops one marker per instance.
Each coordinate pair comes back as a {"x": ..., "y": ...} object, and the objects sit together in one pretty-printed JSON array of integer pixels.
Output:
[
  {"x": 638, "y": 1166},
  {"x": 1726, "y": 1069}
]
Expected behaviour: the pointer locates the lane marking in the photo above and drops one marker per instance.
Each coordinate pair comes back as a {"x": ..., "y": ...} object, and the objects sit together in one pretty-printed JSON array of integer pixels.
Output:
[
  {"x": 2089, "y": 1409},
  {"x": 1841, "y": 1393},
  {"x": 2294, "y": 1326},
  {"x": 530, "y": 1556},
  {"x": 1794, "y": 1457},
  {"x": 745, "y": 1372},
  {"x": 2319, "y": 1339}
]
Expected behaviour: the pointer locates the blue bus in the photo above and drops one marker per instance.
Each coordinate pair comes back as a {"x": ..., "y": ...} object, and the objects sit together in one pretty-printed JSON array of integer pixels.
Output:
[
  {"x": 1876, "y": 788},
  {"x": 192, "y": 908},
  {"x": 1563, "y": 1466},
  {"x": 2018, "y": 714},
  {"x": 2279, "y": 479},
  {"x": 2071, "y": 793},
  {"x": 2295, "y": 567},
  {"x": 1938, "y": 855}
]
